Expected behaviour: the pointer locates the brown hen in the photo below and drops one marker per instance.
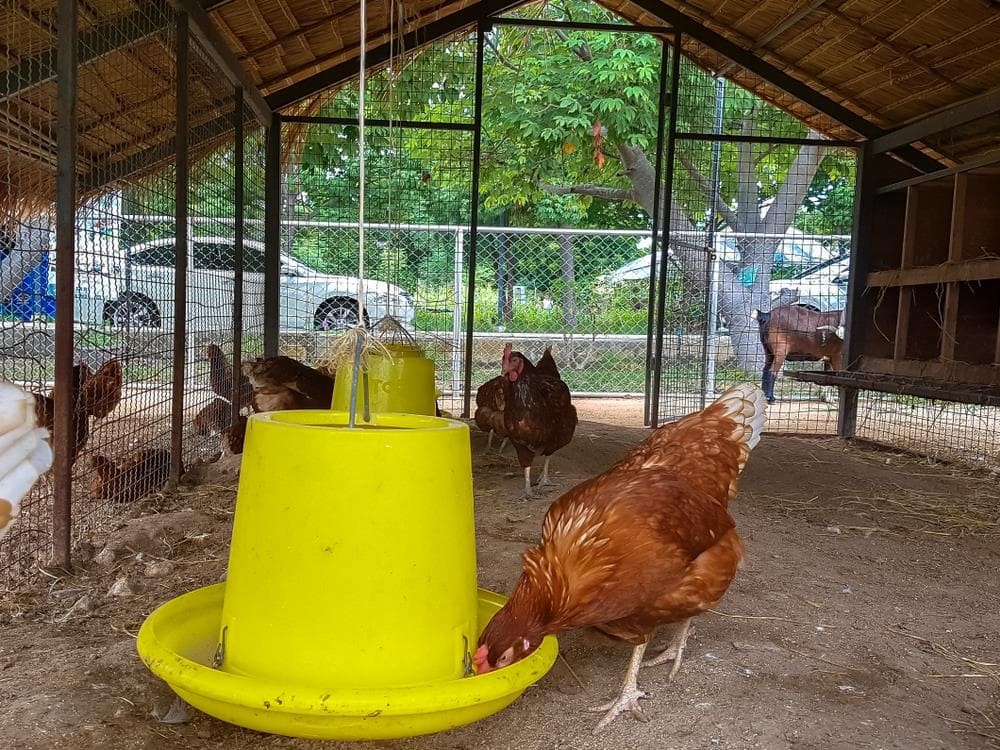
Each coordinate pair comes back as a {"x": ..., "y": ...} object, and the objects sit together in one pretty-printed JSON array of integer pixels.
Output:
[
  {"x": 539, "y": 416},
  {"x": 489, "y": 410},
  {"x": 282, "y": 383},
  {"x": 45, "y": 410},
  {"x": 102, "y": 391},
  {"x": 649, "y": 542},
  {"x": 220, "y": 376},
  {"x": 142, "y": 473}
]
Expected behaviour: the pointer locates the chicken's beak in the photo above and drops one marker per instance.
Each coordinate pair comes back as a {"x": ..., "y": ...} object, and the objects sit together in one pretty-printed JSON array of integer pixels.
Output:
[{"x": 481, "y": 660}]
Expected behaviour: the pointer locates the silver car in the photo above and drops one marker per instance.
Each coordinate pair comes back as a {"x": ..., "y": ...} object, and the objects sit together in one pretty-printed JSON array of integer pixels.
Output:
[
  {"x": 822, "y": 287},
  {"x": 141, "y": 293}
]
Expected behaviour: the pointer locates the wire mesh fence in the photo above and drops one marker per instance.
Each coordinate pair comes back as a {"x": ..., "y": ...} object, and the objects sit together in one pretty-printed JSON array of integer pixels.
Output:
[{"x": 125, "y": 284}]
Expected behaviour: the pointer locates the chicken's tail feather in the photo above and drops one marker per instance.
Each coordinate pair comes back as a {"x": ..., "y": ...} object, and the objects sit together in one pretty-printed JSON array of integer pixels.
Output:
[{"x": 746, "y": 405}]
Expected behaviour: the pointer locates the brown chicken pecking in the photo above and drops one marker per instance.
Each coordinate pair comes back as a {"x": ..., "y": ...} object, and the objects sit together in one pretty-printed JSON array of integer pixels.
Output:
[
  {"x": 213, "y": 418},
  {"x": 142, "y": 473},
  {"x": 649, "y": 542},
  {"x": 539, "y": 416},
  {"x": 282, "y": 383}
]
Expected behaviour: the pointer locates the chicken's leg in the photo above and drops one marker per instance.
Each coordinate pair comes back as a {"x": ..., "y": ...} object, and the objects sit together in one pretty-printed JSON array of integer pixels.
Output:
[
  {"x": 489, "y": 440},
  {"x": 503, "y": 444},
  {"x": 628, "y": 699},
  {"x": 675, "y": 649},
  {"x": 544, "y": 481},
  {"x": 527, "y": 483}
]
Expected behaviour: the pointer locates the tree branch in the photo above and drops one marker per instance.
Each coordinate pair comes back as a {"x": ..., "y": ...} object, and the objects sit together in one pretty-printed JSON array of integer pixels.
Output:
[
  {"x": 793, "y": 191},
  {"x": 703, "y": 184},
  {"x": 596, "y": 191},
  {"x": 491, "y": 43},
  {"x": 581, "y": 50}
]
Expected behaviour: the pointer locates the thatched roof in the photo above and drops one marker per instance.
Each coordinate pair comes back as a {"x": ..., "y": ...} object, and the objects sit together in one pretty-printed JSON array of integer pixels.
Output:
[{"x": 863, "y": 66}]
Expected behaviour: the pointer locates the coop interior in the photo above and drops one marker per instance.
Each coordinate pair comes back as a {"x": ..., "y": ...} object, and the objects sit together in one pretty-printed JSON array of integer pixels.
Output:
[{"x": 240, "y": 283}]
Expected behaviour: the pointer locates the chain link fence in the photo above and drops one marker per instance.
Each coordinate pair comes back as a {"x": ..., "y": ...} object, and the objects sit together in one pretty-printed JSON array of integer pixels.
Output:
[{"x": 126, "y": 279}]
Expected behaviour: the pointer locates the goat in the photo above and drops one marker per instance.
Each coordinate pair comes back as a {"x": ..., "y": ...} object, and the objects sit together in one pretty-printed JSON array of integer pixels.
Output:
[{"x": 799, "y": 334}]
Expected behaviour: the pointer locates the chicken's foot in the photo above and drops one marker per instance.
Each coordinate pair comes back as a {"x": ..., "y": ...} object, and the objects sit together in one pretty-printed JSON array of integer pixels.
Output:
[
  {"x": 674, "y": 650},
  {"x": 630, "y": 695}
]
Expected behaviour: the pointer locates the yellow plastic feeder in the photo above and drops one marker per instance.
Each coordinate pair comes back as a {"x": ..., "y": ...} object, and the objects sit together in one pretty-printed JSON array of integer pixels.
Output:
[
  {"x": 401, "y": 382},
  {"x": 351, "y": 609}
]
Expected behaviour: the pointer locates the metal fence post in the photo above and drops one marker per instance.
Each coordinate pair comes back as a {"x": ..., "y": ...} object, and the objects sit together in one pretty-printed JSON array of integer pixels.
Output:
[
  {"x": 477, "y": 142},
  {"x": 847, "y": 404},
  {"x": 181, "y": 251},
  {"x": 657, "y": 218},
  {"x": 675, "y": 63},
  {"x": 63, "y": 429},
  {"x": 456, "y": 315},
  {"x": 238, "y": 233},
  {"x": 272, "y": 237}
]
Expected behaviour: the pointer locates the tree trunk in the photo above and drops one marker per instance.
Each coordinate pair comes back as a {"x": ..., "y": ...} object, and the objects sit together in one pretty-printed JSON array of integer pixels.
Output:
[
  {"x": 745, "y": 285},
  {"x": 567, "y": 266}
]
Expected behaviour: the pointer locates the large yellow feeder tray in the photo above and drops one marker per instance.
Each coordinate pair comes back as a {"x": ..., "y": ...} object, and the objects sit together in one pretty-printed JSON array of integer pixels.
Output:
[
  {"x": 350, "y": 607},
  {"x": 178, "y": 641}
]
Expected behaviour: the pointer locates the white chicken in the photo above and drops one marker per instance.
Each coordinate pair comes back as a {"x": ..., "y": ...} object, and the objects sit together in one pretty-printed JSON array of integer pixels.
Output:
[{"x": 25, "y": 453}]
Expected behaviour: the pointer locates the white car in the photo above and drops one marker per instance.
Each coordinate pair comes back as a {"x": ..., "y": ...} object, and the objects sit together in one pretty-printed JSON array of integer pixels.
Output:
[
  {"x": 141, "y": 293},
  {"x": 822, "y": 287}
]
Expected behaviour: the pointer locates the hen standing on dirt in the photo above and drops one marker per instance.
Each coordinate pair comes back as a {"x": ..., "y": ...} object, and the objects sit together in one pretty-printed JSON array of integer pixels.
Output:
[
  {"x": 538, "y": 414},
  {"x": 649, "y": 542}
]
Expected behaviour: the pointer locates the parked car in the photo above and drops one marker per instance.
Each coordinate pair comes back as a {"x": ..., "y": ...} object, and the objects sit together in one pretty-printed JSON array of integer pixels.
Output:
[
  {"x": 140, "y": 291},
  {"x": 822, "y": 287}
]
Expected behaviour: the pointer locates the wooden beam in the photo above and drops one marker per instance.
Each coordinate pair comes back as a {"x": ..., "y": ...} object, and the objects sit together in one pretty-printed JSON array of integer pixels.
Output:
[
  {"x": 958, "y": 218},
  {"x": 348, "y": 69},
  {"x": 746, "y": 59},
  {"x": 959, "y": 114},
  {"x": 777, "y": 31},
  {"x": 139, "y": 162},
  {"x": 978, "y": 269},
  {"x": 902, "y": 324},
  {"x": 205, "y": 32},
  {"x": 93, "y": 45},
  {"x": 982, "y": 161},
  {"x": 956, "y": 372},
  {"x": 920, "y": 386},
  {"x": 949, "y": 328}
]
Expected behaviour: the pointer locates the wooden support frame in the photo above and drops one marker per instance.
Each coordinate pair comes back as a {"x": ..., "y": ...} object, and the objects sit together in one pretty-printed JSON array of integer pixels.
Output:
[
  {"x": 958, "y": 114},
  {"x": 205, "y": 32}
]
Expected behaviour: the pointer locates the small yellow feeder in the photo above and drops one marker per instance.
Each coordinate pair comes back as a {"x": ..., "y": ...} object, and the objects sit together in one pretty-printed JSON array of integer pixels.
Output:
[
  {"x": 351, "y": 609},
  {"x": 401, "y": 382}
]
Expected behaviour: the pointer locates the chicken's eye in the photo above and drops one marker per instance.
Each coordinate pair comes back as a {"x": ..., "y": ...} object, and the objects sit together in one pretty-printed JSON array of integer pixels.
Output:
[{"x": 505, "y": 658}]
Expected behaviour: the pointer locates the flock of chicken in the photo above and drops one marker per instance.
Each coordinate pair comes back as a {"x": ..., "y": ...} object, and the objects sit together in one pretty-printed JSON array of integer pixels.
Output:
[
  {"x": 266, "y": 384},
  {"x": 648, "y": 543}
]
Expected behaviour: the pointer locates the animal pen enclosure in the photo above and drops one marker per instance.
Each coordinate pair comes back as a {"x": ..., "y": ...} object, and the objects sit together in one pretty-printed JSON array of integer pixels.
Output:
[{"x": 203, "y": 212}]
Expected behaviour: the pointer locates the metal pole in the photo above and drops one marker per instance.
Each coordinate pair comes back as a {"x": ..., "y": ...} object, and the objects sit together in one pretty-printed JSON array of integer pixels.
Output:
[
  {"x": 456, "y": 316},
  {"x": 239, "y": 201},
  {"x": 711, "y": 301},
  {"x": 668, "y": 187},
  {"x": 180, "y": 250},
  {"x": 651, "y": 301},
  {"x": 477, "y": 141},
  {"x": 63, "y": 430},
  {"x": 272, "y": 237},
  {"x": 847, "y": 404}
]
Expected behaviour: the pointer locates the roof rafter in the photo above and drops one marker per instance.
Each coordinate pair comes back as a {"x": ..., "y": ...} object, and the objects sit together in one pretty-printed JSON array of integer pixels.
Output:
[
  {"x": 346, "y": 70},
  {"x": 94, "y": 44}
]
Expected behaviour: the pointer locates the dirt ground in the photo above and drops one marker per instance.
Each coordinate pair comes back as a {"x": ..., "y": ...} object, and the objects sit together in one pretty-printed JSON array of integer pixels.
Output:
[{"x": 866, "y": 616}]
